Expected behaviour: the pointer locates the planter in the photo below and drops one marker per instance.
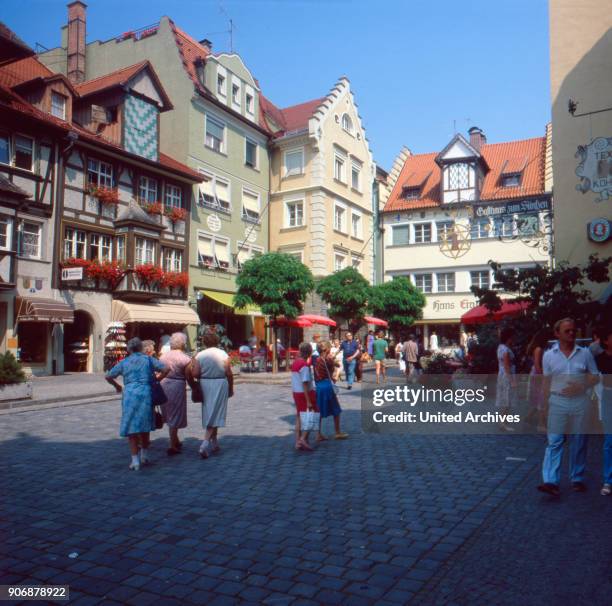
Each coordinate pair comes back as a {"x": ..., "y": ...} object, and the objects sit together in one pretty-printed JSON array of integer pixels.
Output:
[{"x": 16, "y": 391}]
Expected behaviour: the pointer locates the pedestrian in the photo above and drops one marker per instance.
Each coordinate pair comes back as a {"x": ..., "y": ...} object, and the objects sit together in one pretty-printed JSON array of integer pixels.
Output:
[
  {"x": 304, "y": 393},
  {"x": 148, "y": 347},
  {"x": 350, "y": 350},
  {"x": 213, "y": 369},
  {"x": 260, "y": 356},
  {"x": 370, "y": 343},
  {"x": 535, "y": 354},
  {"x": 174, "y": 410},
  {"x": 604, "y": 364},
  {"x": 137, "y": 418},
  {"x": 411, "y": 355},
  {"x": 253, "y": 341},
  {"x": 380, "y": 348},
  {"x": 327, "y": 400},
  {"x": 570, "y": 372},
  {"x": 506, "y": 376},
  {"x": 336, "y": 352},
  {"x": 399, "y": 355},
  {"x": 314, "y": 345},
  {"x": 433, "y": 342}
]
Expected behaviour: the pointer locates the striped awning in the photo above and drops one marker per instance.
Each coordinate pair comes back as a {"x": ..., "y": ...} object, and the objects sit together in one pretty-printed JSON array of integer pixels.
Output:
[
  {"x": 153, "y": 313},
  {"x": 37, "y": 309}
]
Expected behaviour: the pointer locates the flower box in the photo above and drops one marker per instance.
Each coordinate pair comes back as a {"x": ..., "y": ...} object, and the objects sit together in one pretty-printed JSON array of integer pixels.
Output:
[
  {"x": 105, "y": 195},
  {"x": 149, "y": 275}
]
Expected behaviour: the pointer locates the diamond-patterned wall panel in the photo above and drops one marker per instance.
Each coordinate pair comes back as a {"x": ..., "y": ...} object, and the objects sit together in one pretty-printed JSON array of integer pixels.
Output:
[{"x": 140, "y": 127}]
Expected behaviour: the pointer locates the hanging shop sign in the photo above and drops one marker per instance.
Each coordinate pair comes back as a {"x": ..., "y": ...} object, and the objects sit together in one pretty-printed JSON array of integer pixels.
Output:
[
  {"x": 511, "y": 208},
  {"x": 599, "y": 230},
  {"x": 595, "y": 168}
]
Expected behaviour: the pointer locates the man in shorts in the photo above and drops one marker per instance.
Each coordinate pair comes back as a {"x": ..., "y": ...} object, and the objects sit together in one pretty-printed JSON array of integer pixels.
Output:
[{"x": 380, "y": 347}]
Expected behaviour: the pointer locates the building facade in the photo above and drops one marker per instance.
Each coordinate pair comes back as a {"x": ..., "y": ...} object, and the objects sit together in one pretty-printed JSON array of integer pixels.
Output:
[
  {"x": 581, "y": 91},
  {"x": 450, "y": 212},
  {"x": 215, "y": 129}
]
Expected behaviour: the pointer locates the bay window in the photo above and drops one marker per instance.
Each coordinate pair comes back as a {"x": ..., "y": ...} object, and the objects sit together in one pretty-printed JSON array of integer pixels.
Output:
[
  {"x": 100, "y": 247},
  {"x": 145, "y": 251},
  {"x": 75, "y": 244},
  {"x": 172, "y": 259}
]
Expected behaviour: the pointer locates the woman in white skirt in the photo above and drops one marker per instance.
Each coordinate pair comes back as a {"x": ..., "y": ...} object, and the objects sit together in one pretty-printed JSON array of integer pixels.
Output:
[
  {"x": 213, "y": 369},
  {"x": 506, "y": 376}
]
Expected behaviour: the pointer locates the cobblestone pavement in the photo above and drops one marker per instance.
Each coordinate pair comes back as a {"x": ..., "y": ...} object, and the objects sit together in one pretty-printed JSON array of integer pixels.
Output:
[{"x": 373, "y": 520}]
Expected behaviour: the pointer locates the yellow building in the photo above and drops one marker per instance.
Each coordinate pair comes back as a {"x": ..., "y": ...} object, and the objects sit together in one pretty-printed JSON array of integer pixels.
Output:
[{"x": 581, "y": 88}]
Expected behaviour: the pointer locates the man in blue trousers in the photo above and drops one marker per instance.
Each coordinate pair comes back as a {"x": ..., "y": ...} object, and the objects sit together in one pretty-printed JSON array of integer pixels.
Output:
[{"x": 350, "y": 350}]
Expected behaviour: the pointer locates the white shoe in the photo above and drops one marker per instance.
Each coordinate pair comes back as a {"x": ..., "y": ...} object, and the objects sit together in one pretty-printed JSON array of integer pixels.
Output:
[
  {"x": 205, "y": 449},
  {"x": 135, "y": 466},
  {"x": 606, "y": 490}
]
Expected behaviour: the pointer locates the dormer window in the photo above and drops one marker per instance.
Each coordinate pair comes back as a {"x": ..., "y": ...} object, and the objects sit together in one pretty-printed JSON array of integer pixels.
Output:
[
  {"x": 411, "y": 193},
  {"x": 221, "y": 84},
  {"x": 58, "y": 105},
  {"x": 512, "y": 171},
  {"x": 459, "y": 182},
  {"x": 249, "y": 103},
  {"x": 511, "y": 180},
  {"x": 236, "y": 94},
  {"x": 347, "y": 124}
]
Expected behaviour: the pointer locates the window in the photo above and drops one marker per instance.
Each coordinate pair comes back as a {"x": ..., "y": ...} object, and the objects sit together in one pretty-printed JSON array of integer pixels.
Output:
[
  {"x": 340, "y": 218},
  {"x": 99, "y": 173},
  {"x": 347, "y": 123},
  {"x": 446, "y": 282},
  {"x": 503, "y": 226},
  {"x": 32, "y": 342},
  {"x": 172, "y": 259},
  {"x": 528, "y": 225},
  {"x": 457, "y": 176},
  {"x": 339, "y": 262},
  {"x": 145, "y": 251},
  {"x": 250, "y": 206},
  {"x": 480, "y": 278},
  {"x": 295, "y": 213},
  {"x": 5, "y": 149},
  {"x": 215, "y": 134},
  {"x": 400, "y": 235},
  {"x": 74, "y": 243},
  {"x": 422, "y": 233},
  {"x": 100, "y": 247},
  {"x": 236, "y": 94},
  {"x": 213, "y": 251},
  {"x": 444, "y": 228},
  {"x": 339, "y": 168},
  {"x": 121, "y": 257},
  {"x": 511, "y": 180},
  {"x": 58, "y": 105},
  {"x": 147, "y": 190},
  {"x": 480, "y": 228},
  {"x": 356, "y": 263},
  {"x": 24, "y": 152},
  {"x": 174, "y": 196},
  {"x": 356, "y": 231},
  {"x": 411, "y": 193},
  {"x": 423, "y": 282},
  {"x": 294, "y": 162},
  {"x": 250, "y": 153},
  {"x": 221, "y": 86},
  {"x": 246, "y": 251},
  {"x": 214, "y": 193},
  {"x": 30, "y": 240},
  {"x": 222, "y": 194},
  {"x": 6, "y": 227},
  {"x": 356, "y": 176},
  {"x": 249, "y": 104}
]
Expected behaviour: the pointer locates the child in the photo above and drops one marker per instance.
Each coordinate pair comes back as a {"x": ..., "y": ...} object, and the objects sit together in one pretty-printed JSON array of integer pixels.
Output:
[{"x": 304, "y": 393}]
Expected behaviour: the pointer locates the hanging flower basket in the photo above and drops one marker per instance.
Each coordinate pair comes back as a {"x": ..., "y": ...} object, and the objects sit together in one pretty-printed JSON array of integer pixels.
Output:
[
  {"x": 105, "y": 195},
  {"x": 149, "y": 274},
  {"x": 175, "y": 214}
]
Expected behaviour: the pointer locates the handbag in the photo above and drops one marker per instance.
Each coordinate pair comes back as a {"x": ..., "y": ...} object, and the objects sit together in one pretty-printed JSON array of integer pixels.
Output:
[
  {"x": 334, "y": 386},
  {"x": 159, "y": 419},
  {"x": 309, "y": 420},
  {"x": 158, "y": 395},
  {"x": 196, "y": 389}
]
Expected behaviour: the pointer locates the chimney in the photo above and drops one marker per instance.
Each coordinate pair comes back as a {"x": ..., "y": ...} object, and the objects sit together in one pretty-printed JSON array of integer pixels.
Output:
[
  {"x": 206, "y": 43},
  {"x": 76, "y": 41},
  {"x": 477, "y": 138}
]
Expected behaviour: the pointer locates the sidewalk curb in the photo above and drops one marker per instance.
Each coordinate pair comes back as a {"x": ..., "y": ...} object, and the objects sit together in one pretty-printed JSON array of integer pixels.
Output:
[{"x": 37, "y": 406}]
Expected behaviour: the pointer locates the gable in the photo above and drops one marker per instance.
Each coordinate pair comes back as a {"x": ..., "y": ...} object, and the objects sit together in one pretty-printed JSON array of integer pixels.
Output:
[
  {"x": 235, "y": 64},
  {"x": 458, "y": 149},
  {"x": 144, "y": 85}
]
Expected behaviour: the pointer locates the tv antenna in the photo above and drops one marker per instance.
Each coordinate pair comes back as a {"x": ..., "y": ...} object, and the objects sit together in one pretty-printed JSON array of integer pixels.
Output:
[{"x": 230, "y": 31}]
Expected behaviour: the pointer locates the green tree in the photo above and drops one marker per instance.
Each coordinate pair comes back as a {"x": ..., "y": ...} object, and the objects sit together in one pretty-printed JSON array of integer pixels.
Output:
[
  {"x": 347, "y": 293},
  {"x": 277, "y": 283},
  {"x": 398, "y": 302}
]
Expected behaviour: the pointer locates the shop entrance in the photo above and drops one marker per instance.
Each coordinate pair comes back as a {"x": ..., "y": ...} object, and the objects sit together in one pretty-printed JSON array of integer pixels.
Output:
[{"x": 78, "y": 342}]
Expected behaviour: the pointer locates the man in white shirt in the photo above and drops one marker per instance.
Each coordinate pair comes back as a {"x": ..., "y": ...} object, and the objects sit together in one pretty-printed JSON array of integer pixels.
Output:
[{"x": 570, "y": 372}]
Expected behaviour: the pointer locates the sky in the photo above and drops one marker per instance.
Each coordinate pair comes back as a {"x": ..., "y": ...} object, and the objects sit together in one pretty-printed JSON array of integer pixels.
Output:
[{"x": 420, "y": 70}]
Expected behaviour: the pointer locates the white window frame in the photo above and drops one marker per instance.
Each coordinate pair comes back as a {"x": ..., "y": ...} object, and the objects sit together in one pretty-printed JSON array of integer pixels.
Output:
[
  {"x": 359, "y": 234},
  {"x": 246, "y": 215},
  {"x": 73, "y": 239},
  {"x": 347, "y": 124},
  {"x": 342, "y": 264},
  {"x": 213, "y": 239},
  {"x": 507, "y": 223},
  {"x": 219, "y": 123},
  {"x": 443, "y": 226},
  {"x": 293, "y": 151},
  {"x": 248, "y": 140},
  {"x": 249, "y": 92},
  {"x": 222, "y": 73},
  {"x": 511, "y": 180},
  {"x": 216, "y": 202},
  {"x": 356, "y": 167},
  {"x": 340, "y": 167},
  {"x": 476, "y": 276},
  {"x": 238, "y": 83},
  {"x": 446, "y": 275},
  {"x": 246, "y": 248},
  {"x": 32, "y": 148},
  {"x": 148, "y": 186},
  {"x": 99, "y": 240},
  {"x": 173, "y": 196},
  {"x": 344, "y": 227},
  {"x": 146, "y": 249},
  {"x": 39, "y": 233},
  {"x": 393, "y": 231},
  {"x": 58, "y": 110},
  {"x": 7, "y": 222},
  {"x": 422, "y": 225},
  {"x": 294, "y": 253},
  {"x": 481, "y": 222},
  {"x": 292, "y": 202},
  {"x": 121, "y": 244},
  {"x": 175, "y": 258},
  {"x": 104, "y": 178},
  {"x": 424, "y": 276}
]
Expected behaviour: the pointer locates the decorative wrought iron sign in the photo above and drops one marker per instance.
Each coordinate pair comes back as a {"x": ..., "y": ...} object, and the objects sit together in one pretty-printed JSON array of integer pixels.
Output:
[{"x": 595, "y": 168}]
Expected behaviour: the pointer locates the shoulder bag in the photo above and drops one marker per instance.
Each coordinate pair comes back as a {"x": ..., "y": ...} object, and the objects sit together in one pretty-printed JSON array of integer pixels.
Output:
[
  {"x": 158, "y": 397},
  {"x": 196, "y": 389}
]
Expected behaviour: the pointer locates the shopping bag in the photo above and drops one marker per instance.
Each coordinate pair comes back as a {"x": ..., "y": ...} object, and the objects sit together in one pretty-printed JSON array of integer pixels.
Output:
[
  {"x": 309, "y": 420},
  {"x": 402, "y": 365}
]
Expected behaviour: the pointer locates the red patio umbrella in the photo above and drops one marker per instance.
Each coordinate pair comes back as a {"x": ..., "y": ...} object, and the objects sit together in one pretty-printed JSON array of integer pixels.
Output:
[
  {"x": 314, "y": 319},
  {"x": 483, "y": 315},
  {"x": 376, "y": 321},
  {"x": 289, "y": 323}
]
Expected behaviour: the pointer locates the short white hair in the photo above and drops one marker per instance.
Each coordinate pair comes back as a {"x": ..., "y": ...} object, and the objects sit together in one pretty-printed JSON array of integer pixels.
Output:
[{"x": 178, "y": 340}]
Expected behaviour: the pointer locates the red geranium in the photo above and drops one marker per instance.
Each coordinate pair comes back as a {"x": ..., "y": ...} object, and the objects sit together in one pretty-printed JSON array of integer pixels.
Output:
[
  {"x": 175, "y": 214},
  {"x": 105, "y": 195},
  {"x": 75, "y": 262},
  {"x": 175, "y": 279},
  {"x": 154, "y": 208},
  {"x": 149, "y": 274}
]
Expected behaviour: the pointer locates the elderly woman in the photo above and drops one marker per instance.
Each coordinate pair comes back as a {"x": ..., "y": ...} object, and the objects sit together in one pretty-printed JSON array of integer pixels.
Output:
[
  {"x": 213, "y": 369},
  {"x": 174, "y": 410},
  {"x": 137, "y": 409}
]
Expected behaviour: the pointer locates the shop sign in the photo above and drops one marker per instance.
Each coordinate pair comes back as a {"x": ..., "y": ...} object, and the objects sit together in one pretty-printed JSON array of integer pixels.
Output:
[
  {"x": 72, "y": 273},
  {"x": 598, "y": 230},
  {"x": 464, "y": 304},
  {"x": 595, "y": 168},
  {"x": 511, "y": 208}
]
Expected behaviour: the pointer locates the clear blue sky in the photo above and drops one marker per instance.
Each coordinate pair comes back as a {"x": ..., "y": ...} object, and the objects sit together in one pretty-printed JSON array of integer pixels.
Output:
[{"x": 415, "y": 66}]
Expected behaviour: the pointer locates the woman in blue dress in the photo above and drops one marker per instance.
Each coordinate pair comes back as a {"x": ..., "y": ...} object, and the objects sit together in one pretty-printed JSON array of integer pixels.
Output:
[{"x": 137, "y": 418}]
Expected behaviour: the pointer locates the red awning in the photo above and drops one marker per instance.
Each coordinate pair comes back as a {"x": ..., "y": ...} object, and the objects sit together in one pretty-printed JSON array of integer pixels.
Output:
[
  {"x": 483, "y": 315},
  {"x": 291, "y": 323},
  {"x": 376, "y": 321},
  {"x": 314, "y": 319}
]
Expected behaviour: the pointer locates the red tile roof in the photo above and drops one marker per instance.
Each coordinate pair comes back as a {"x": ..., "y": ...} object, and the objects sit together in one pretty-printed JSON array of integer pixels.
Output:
[
  {"x": 288, "y": 119},
  {"x": 190, "y": 51},
  {"x": 12, "y": 47},
  {"x": 497, "y": 155},
  {"x": 22, "y": 71}
]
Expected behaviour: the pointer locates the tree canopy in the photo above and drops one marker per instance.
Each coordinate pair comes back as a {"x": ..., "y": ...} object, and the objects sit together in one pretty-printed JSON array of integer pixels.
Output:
[
  {"x": 347, "y": 293},
  {"x": 399, "y": 302},
  {"x": 276, "y": 282}
]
